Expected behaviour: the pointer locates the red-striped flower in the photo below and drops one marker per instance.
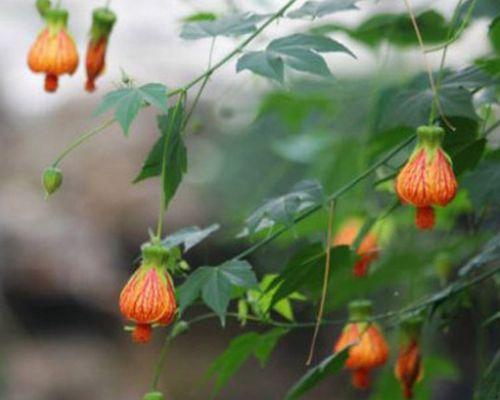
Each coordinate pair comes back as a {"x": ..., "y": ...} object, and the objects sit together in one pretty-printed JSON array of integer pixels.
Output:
[
  {"x": 368, "y": 349},
  {"x": 368, "y": 249},
  {"x": 54, "y": 52},
  {"x": 148, "y": 298},
  {"x": 103, "y": 20},
  {"x": 427, "y": 179},
  {"x": 408, "y": 368}
]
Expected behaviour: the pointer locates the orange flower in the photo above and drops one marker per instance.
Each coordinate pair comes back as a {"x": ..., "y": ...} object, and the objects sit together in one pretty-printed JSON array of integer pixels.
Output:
[
  {"x": 369, "y": 348},
  {"x": 103, "y": 20},
  {"x": 368, "y": 249},
  {"x": 148, "y": 297},
  {"x": 427, "y": 179},
  {"x": 54, "y": 52},
  {"x": 408, "y": 368}
]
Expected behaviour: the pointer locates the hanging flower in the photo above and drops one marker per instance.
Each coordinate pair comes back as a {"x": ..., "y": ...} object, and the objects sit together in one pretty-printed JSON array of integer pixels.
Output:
[
  {"x": 368, "y": 249},
  {"x": 427, "y": 179},
  {"x": 54, "y": 52},
  {"x": 408, "y": 368},
  {"x": 148, "y": 297},
  {"x": 369, "y": 348},
  {"x": 103, "y": 20}
]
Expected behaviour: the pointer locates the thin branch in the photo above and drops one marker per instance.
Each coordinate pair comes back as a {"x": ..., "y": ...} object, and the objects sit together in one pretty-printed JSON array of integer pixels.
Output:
[
  {"x": 427, "y": 65},
  {"x": 326, "y": 278}
]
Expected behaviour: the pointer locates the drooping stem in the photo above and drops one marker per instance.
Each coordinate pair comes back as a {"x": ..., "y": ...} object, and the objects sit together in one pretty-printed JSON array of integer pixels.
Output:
[
  {"x": 428, "y": 67},
  {"x": 326, "y": 278},
  {"x": 82, "y": 139},
  {"x": 163, "y": 200}
]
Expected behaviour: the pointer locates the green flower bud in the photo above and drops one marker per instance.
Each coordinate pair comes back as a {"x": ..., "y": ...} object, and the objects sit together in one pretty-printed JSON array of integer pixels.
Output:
[
  {"x": 51, "y": 180},
  {"x": 153, "y": 396},
  {"x": 179, "y": 328}
]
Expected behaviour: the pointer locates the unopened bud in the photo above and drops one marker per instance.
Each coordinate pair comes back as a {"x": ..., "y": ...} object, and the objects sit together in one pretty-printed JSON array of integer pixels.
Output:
[{"x": 51, "y": 180}]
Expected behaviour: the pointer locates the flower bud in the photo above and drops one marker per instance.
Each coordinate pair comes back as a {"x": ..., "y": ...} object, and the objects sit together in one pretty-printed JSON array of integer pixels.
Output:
[
  {"x": 368, "y": 250},
  {"x": 368, "y": 347},
  {"x": 54, "y": 52},
  {"x": 148, "y": 297},
  {"x": 427, "y": 179},
  {"x": 103, "y": 20},
  {"x": 51, "y": 180},
  {"x": 153, "y": 396}
]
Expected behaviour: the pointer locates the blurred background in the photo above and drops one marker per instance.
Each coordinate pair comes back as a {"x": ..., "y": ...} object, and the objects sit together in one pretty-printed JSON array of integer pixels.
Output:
[{"x": 64, "y": 261}]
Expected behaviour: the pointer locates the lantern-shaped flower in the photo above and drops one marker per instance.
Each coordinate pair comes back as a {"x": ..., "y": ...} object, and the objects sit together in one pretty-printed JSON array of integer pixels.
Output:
[
  {"x": 408, "y": 368},
  {"x": 54, "y": 52},
  {"x": 103, "y": 20},
  {"x": 427, "y": 179},
  {"x": 368, "y": 346},
  {"x": 148, "y": 297},
  {"x": 368, "y": 249}
]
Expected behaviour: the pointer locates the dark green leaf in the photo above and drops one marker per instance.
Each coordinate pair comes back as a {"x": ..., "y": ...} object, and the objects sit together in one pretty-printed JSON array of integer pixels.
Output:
[
  {"x": 328, "y": 366},
  {"x": 300, "y": 52},
  {"x": 176, "y": 159},
  {"x": 483, "y": 184},
  {"x": 494, "y": 34},
  {"x": 128, "y": 101},
  {"x": 317, "y": 9},
  {"x": 283, "y": 209},
  {"x": 395, "y": 29},
  {"x": 240, "y": 349},
  {"x": 468, "y": 156},
  {"x": 189, "y": 237},
  {"x": 233, "y": 25},
  {"x": 215, "y": 285},
  {"x": 490, "y": 66}
]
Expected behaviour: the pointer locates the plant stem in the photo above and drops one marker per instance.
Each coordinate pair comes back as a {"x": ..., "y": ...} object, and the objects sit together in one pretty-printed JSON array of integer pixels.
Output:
[
  {"x": 334, "y": 196},
  {"x": 428, "y": 67},
  {"x": 82, "y": 139},
  {"x": 326, "y": 278},
  {"x": 163, "y": 201},
  {"x": 161, "y": 362}
]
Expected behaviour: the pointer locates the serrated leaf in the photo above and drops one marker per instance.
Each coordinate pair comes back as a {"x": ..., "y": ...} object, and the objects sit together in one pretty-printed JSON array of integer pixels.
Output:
[
  {"x": 189, "y": 237},
  {"x": 238, "y": 352},
  {"x": 176, "y": 159},
  {"x": 128, "y": 101},
  {"x": 328, "y": 366},
  {"x": 300, "y": 52},
  {"x": 318, "y": 9},
  {"x": 215, "y": 285},
  {"x": 232, "y": 25},
  {"x": 283, "y": 209}
]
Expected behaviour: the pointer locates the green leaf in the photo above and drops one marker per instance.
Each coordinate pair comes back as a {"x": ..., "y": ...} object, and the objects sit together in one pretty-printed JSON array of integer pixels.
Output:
[
  {"x": 240, "y": 349},
  {"x": 189, "y": 237},
  {"x": 494, "y": 34},
  {"x": 176, "y": 160},
  {"x": 490, "y": 66},
  {"x": 468, "y": 156},
  {"x": 318, "y": 9},
  {"x": 283, "y": 209},
  {"x": 300, "y": 52},
  {"x": 412, "y": 107},
  {"x": 262, "y": 63},
  {"x": 215, "y": 285},
  {"x": 483, "y": 184},
  {"x": 233, "y": 25},
  {"x": 128, "y": 101},
  {"x": 328, "y": 366},
  {"x": 396, "y": 29},
  {"x": 489, "y": 385},
  {"x": 200, "y": 16}
]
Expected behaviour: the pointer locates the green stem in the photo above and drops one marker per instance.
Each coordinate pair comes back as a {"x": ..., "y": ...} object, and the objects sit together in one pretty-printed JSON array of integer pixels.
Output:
[
  {"x": 161, "y": 362},
  {"x": 163, "y": 201},
  {"x": 82, "y": 139},
  {"x": 334, "y": 196}
]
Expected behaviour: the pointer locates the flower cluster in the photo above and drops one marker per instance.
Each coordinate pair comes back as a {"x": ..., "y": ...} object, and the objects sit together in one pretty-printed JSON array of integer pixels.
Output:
[
  {"x": 54, "y": 52},
  {"x": 427, "y": 179}
]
